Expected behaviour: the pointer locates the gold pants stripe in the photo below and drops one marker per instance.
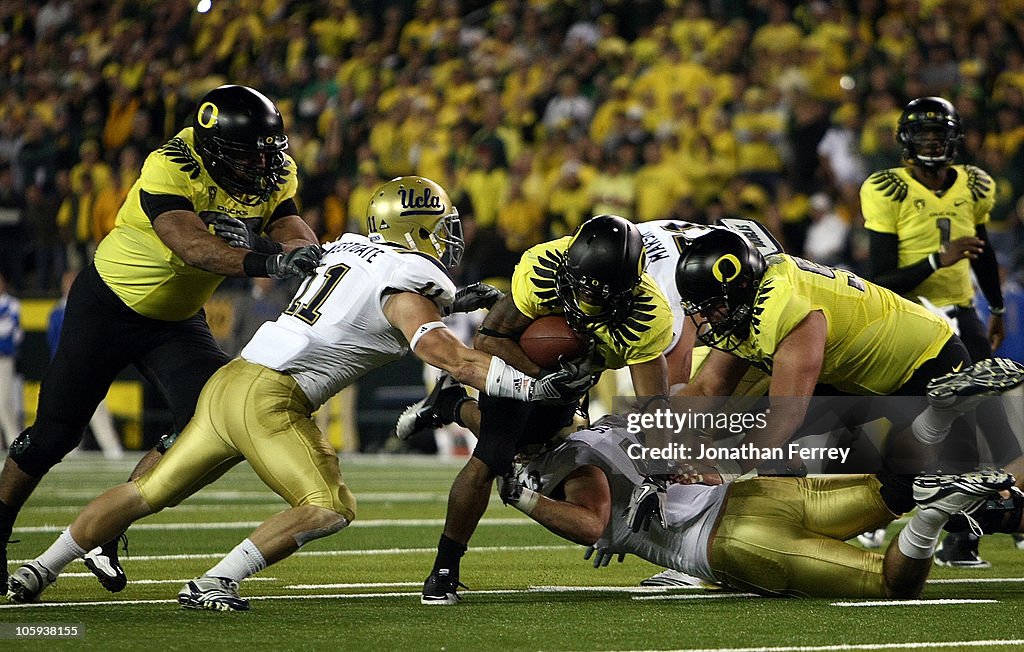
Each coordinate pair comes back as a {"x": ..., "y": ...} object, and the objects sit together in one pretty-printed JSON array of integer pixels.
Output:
[
  {"x": 247, "y": 411},
  {"x": 787, "y": 536}
]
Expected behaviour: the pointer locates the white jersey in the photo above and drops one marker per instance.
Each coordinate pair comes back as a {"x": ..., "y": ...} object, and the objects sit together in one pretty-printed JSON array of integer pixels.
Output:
[
  {"x": 334, "y": 329},
  {"x": 691, "y": 510},
  {"x": 663, "y": 241}
]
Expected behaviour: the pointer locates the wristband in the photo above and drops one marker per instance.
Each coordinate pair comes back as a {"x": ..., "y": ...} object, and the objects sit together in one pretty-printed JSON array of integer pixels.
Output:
[
  {"x": 933, "y": 261},
  {"x": 504, "y": 381},
  {"x": 997, "y": 311},
  {"x": 255, "y": 264},
  {"x": 527, "y": 502}
]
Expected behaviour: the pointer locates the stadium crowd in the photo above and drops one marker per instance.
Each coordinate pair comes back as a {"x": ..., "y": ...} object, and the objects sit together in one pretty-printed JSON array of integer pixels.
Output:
[{"x": 536, "y": 113}]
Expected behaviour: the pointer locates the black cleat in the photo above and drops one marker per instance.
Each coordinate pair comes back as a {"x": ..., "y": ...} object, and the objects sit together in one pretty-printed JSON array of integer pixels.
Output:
[
  {"x": 441, "y": 589},
  {"x": 960, "y": 550},
  {"x": 105, "y": 565}
]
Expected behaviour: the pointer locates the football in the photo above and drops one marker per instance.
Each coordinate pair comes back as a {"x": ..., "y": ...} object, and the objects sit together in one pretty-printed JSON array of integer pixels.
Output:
[{"x": 549, "y": 338}]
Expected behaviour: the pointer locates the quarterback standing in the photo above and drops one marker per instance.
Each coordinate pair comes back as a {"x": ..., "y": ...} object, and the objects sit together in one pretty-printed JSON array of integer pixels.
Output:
[
  {"x": 926, "y": 225},
  {"x": 141, "y": 301}
]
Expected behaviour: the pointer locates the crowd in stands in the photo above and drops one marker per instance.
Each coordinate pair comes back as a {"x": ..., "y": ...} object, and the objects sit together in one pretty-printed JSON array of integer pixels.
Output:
[{"x": 535, "y": 114}]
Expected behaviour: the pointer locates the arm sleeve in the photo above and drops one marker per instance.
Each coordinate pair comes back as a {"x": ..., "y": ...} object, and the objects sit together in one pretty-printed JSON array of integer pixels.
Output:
[
  {"x": 986, "y": 268},
  {"x": 884, "y": 260}
]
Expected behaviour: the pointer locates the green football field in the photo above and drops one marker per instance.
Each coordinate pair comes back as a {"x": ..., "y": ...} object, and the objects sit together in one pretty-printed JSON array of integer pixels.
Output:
[{"x": 530, "y": 590}]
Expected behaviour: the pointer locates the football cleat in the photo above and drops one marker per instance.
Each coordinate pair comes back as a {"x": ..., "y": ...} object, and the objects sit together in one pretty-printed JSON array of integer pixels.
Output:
[
  {"x": 441, "y": 589},
  {"x": 960, "y": 550},
  {"x": 672, "y": 578},
  {"x": 105, "y": 565},
  {"x": 213, "y": 594},
  {"x": 872, "y": 539},
  {"x": 1018, "y": 541},
  {"x": 952, "y": 494},
  {"x": 29, "y": 581},
  {"x": 437, "y": 409},
  {"x": 964, "y": 390}
]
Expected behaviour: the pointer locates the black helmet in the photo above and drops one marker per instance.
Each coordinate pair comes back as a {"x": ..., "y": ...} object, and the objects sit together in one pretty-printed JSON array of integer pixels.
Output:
[
  {"x": 240, "y": 136},
  {"x": 595, "y": 279},
  {"x": 717, "y": 277},
  {"x": 930, "y": 132}
]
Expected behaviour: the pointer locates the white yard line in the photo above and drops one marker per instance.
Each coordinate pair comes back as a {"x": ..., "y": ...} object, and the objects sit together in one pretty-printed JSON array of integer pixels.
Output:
[
  {"x": 911, "y": 603},
  {"x": 849, "y": 647}
]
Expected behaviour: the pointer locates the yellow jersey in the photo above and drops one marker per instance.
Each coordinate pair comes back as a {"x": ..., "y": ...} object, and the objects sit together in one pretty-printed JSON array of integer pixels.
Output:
[
  {"x": 640, "y": 337},
  {"x": 132, "y": 259},
  {"x": 893, "y": 201},
  {"x": 875, "y": 341}
]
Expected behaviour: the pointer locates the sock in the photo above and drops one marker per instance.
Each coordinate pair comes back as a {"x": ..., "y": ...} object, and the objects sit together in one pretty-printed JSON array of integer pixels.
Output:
[
  {"x": 63, "y": 551},
  {"x": 245, "y": 560},
  {"x": 919, "y": 539},
  {"x": 449, "y": 552},
  {"x": 932, "y": 425},
  {"x": 8, "y": 515}
]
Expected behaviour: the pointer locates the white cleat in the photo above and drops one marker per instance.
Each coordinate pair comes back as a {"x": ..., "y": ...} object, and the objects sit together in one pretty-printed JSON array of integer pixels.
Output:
[
  {"x": 953, "y": 494},
  {"x": 28, "y": 582}
]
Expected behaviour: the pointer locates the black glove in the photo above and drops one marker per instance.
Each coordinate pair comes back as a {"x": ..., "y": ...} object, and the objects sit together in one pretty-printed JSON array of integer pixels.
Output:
[
  {"x": 298, "y": 262},
  {"x": 603, "y": 556},
  {"x": 567, "y": 384},
  {"x": 647, "y": 502},
  {"x": 476, "y": 296},
  {"x": 234, "y": 231}
]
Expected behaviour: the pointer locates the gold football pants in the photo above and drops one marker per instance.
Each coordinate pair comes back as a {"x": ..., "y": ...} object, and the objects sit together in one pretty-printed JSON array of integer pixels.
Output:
[
  {"x": 787, "y": 536},
  {"x": 247, "y": 411}
]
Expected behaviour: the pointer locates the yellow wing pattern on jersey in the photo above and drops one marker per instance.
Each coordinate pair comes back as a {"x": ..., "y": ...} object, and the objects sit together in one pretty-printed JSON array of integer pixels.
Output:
[
  {"x": 888, "y": 184},
  {"x": 177, "y": 151},
  {"x": 978, "y": 182}
]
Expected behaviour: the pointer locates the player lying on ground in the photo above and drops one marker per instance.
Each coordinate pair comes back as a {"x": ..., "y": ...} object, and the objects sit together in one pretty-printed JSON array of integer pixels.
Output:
[
  {"x": 370, "y": 301},
  {"x": 779, "y": 536}
]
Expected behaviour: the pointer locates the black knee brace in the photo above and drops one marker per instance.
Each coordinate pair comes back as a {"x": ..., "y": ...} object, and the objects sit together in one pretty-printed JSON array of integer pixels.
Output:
[
  {"x": 994, "y": 515},
  {"x": 36, "y": 455}
]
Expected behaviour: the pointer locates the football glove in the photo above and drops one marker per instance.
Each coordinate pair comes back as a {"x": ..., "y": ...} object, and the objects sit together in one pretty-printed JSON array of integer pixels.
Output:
[
  {"x": 476, "y": 296},
  {"x": 514, "y": 492},
  {"x": 568, "y": 384},
  {"x": 297, "y": 262},
  {"x": 646, "y": 504},
  {"x": 603, "y": 556},
  {"x": 236, "y": 234},
  {"x": 232, "y": 231}
]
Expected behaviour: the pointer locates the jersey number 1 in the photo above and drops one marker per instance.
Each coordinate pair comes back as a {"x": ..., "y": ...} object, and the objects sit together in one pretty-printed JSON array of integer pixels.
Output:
[{"x": 308, "y": 310}]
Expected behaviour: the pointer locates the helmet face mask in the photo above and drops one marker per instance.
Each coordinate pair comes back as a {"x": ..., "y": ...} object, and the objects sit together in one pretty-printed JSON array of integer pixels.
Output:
[
  {"x": 601, "y": 268},
  {"x": 416, "y": 213},
  {"x": 930, "y": 132},
  {"x": 240, "y": 136},
  {"x": 717, "y": 276}
]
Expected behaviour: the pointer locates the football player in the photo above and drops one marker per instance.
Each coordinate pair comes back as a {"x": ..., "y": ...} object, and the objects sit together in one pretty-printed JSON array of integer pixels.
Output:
[
  {"x": 371, "y": 300},
  {"x": 823, "y": 330},
  {"x": 216, "y": 200},
  {"x": 596, "y": 279},
  {"x": 776, "y": 536},
  {"x": 926, "y": 225}
]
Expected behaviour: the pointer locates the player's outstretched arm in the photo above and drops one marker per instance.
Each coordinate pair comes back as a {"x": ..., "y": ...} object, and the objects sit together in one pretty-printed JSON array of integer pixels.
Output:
[
  {"x": 419, "y": 319},
  {"x": 583, "y": 516},
  {"x": 187, "y": 236}
]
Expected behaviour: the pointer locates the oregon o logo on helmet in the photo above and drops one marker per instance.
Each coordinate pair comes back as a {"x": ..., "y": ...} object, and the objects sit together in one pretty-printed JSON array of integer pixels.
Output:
[
  {"x": 726, "y": 276},
  {"x": 207, "y": 116}
]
